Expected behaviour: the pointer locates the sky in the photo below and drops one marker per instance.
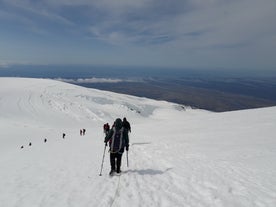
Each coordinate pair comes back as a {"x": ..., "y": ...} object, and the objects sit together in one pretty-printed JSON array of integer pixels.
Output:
[{"x": 236, "y": 34}]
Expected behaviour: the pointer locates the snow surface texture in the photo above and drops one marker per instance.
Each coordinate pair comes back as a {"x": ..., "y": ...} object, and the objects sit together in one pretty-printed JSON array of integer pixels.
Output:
[{"x": 178, "y": 156}]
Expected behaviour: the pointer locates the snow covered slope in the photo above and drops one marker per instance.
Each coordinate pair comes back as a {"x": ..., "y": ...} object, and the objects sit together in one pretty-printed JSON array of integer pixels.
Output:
[{"x": 178, "y": 156}]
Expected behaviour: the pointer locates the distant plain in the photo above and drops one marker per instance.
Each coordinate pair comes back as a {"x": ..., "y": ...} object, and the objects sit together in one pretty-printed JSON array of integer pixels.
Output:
[{"x": 214, "y": 90}]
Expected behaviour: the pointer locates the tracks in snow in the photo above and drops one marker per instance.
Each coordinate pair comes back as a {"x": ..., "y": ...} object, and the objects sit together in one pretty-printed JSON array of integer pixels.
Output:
[{"x": 157, "y": 178}]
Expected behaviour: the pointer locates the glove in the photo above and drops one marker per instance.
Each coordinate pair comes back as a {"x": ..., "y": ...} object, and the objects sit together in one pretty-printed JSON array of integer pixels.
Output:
[
  {"x": 127, "y": 147},
  {"x": 105, "y": 143}
]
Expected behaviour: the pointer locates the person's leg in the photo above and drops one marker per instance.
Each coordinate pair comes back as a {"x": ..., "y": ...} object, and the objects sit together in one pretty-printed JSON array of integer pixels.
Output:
[
  {"x": 112, "y": 161},
  {"x": 119, "y": 158}
]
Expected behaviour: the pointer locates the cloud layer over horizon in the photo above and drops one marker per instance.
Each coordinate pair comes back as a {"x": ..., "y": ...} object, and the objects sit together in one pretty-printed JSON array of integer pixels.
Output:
[
  {"x": 96, "y": 80},
  {"x": 188, "y": 33}
]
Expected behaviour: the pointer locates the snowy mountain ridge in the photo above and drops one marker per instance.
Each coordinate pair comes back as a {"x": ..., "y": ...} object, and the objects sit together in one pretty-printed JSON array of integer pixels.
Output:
[
  {"x": 65, "y": 100},
  {"x": 178, "y": 156}
]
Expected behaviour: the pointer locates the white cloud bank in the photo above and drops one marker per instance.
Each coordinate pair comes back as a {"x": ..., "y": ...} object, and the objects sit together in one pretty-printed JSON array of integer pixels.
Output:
[{"x": 95, "y": 80}]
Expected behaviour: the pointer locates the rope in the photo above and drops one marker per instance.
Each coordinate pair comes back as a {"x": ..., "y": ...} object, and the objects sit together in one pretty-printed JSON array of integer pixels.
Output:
[{"x": 116, "y": 192}]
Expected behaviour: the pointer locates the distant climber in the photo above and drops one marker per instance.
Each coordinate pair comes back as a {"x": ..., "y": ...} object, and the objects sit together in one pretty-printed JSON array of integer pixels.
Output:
[
  {"x": 45, "y": 140},
  {"x": 63, "y": 135}
]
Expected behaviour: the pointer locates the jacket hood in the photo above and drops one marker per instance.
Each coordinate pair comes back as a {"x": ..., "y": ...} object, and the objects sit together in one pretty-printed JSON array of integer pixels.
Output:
[{"x": 118, "y": 123}]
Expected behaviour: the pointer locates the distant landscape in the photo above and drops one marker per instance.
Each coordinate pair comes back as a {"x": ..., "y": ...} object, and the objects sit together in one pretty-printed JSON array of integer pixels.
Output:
[
  {"x": 210, "y": 90},
  {"x": 216, "y": 96}
]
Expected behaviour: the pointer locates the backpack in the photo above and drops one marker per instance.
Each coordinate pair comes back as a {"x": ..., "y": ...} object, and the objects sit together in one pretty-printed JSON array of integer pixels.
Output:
[{"x": 117, "y": 141}]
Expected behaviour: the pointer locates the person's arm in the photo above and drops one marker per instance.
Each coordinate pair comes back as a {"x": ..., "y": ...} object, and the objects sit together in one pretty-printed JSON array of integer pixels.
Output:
[{"x": 129, "y": 127}]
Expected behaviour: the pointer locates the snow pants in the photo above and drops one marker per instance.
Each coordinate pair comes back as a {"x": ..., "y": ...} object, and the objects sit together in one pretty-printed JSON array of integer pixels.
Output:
[{"x": 115, "y": 161}]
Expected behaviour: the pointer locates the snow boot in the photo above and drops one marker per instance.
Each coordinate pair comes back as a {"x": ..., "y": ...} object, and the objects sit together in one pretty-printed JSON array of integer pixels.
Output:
[{"x": 112, "y": 172}]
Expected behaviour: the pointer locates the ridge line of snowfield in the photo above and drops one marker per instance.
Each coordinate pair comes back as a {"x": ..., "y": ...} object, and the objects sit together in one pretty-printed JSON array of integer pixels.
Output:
[{"x": 177, "y": 157}]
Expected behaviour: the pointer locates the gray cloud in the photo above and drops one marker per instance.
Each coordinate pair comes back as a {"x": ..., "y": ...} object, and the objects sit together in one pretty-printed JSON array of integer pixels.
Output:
[
  {"x": 197, "y": 24},
  {"x": 193, "y": 22},
  {"x": 182, "y": 31}
]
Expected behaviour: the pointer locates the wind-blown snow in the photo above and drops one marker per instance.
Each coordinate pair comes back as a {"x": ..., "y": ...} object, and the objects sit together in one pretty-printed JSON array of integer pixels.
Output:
[{"x": 178, "y": 156}]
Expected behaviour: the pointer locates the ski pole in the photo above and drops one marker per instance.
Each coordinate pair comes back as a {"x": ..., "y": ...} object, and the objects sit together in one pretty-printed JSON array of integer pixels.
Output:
[{"x": 103, "y": 159}]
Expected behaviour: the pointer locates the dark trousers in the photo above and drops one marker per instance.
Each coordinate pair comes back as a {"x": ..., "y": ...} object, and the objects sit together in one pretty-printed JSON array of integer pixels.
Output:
[{"x": 115, "y": 161}]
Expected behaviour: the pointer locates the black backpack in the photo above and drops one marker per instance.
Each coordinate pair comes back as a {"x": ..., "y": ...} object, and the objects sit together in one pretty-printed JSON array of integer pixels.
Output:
[{"x": 117, "y": 141}]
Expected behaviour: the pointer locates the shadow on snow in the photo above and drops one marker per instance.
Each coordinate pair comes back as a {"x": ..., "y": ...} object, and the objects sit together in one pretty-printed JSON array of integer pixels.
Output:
[
  {"x": 140, "y": 143},
  {"x": 149, "y": 171}
]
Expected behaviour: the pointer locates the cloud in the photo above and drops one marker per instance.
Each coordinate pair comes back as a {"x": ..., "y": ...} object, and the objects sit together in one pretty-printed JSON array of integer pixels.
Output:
[
  {"x": 32, "y": 13},
  {"x": 4, "y": 65},
  {"x": 95, "y": 80},
  {"x": 178, "y": 32},
  {"x": 187, "y": 25},
  {"x": 9, "y": 64},
  {"x": 151, "y": 22}
]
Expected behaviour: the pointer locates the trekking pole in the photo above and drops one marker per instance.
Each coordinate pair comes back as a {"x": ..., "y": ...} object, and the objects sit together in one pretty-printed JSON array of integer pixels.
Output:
[
  {"x": 103, "y": 160},
  {"x": 127, "y": 157}
]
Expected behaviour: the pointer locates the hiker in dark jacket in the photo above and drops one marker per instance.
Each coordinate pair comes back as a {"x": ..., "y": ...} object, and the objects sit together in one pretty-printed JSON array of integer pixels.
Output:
[
  {"x": 126, "y": 124},
  {"x": 118, "y": 140}
]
